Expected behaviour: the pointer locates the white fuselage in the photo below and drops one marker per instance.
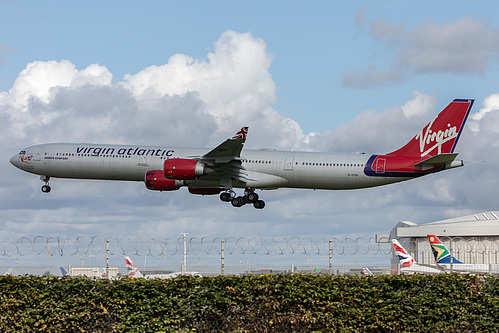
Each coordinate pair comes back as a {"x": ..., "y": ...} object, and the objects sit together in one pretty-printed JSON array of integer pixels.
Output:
[{"x": 266, "y": 169}]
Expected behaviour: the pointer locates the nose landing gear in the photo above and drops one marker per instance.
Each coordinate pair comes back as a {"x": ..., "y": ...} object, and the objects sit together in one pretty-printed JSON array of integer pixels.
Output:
[
  {"x": 250, "y": 197},
  {"x": 45, "y": 188}
]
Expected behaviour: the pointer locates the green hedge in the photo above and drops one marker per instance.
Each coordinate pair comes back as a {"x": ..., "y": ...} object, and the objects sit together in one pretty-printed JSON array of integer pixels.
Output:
[{"x": 270, "y": 303}]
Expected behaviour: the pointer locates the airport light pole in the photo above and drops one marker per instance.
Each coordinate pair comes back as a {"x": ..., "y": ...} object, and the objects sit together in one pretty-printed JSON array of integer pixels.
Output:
[
  {"x": 184, "y": 266},
  {"x": 107, "y": 258}
]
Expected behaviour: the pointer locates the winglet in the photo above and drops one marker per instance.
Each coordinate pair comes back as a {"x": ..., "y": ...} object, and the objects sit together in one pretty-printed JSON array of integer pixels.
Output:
[
  {"x": 230, "y": 149},
  {"x": 241, "y": 134}
]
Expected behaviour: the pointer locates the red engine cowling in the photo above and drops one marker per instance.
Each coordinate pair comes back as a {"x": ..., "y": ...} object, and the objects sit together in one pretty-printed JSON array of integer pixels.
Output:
[
  {"x": 184, "y": 169},
  {"x": 155, "y": 180},
  {"x": 204, "y": 191}
]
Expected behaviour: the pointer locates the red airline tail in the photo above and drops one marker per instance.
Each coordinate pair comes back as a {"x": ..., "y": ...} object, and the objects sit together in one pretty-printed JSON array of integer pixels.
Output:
[
  {"x": 430, "y": 150},
  {"x": 440, "y": 136}
]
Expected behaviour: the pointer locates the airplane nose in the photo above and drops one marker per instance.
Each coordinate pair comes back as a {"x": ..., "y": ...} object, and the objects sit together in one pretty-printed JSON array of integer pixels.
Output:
[{"x": 14, "y": 160}]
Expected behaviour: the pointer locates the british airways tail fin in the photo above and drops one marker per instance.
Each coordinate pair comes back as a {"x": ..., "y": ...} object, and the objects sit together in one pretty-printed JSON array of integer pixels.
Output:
[
  {"x": 440, "y": 252},
  {"x": 132, "y": 270},
  {"x": 405, "y": 258},
  {"x": 102, "y": 272},
  {"x": 440, "y": 136}
]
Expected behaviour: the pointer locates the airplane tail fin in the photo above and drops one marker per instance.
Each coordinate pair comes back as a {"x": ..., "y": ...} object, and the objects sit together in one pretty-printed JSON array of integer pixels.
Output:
[
  {"x": 440, "y": 136},
  {"x": 367, "y": 271},
  {"x": 64, "y": 272},
  {"x": 8, "y": 272},
  {"x": 102, "y": 272},
  {"x": 132, "y": 270},
  {"x": 405, "y": 258},
  {"x": 440, "y": 252}
]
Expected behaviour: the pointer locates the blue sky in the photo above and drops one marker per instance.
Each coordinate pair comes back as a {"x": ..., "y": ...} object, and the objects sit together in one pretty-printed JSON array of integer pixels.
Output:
[
  {"x": 320, "y": 75},
  {"x": 313, "y": 45}
]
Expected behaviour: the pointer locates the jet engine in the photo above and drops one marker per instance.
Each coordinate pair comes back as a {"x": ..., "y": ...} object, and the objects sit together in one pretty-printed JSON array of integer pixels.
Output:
[
  {"x": 185, "y": 169},
  {"x": 155, "y": 180}
]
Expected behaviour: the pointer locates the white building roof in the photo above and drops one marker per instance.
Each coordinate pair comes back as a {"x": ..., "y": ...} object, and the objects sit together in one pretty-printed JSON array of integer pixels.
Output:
[{"x": 481, "y": 224}]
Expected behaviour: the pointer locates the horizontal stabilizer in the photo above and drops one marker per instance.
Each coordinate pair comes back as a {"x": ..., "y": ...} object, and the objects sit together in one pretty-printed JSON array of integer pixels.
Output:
[{"x": 439, "y": 159}]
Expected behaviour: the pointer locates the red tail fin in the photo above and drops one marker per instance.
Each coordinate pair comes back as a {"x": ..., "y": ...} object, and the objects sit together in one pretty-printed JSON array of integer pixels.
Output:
[{"x": 440, "y": 136}]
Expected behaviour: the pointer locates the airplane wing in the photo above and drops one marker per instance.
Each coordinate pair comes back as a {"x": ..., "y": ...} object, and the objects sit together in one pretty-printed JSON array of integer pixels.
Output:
[{"x": 224, "y": 159}]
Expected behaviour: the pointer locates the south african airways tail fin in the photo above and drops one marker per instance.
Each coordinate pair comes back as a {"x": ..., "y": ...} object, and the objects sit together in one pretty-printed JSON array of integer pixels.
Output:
[{"x": 440, "y": 252}]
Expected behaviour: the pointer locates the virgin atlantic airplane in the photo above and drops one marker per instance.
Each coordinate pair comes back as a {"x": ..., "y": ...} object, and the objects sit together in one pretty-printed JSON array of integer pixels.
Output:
[{"x": 227, "y": 166}]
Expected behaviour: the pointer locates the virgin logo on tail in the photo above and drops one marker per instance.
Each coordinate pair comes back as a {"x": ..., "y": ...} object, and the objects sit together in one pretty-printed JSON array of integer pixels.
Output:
[{"x": 438, "y": 138}]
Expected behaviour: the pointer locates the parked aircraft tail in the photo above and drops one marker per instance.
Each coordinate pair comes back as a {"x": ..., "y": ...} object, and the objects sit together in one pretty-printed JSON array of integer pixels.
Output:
[
  {"x": 132, "y": 270},
  {"x": 405, "y": 258},
  {"x": 8, "y": 272},
  {"x": 64, "y": 272},
  {"x": 102, "y": 272},
  {"x": 440, "y": 252},
  {"x": 367, "y": 271}
]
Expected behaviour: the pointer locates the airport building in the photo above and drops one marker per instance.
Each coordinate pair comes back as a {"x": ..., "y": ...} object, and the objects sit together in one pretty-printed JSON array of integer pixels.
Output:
[{"x": 472, "y": 239}]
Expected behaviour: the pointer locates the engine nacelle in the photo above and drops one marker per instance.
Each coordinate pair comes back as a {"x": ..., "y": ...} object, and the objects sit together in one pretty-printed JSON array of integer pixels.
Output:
[
  {"x": 204, "y": 191},
  {"x": 155, "y": 180},
  {"x": 184, "y": 169}
]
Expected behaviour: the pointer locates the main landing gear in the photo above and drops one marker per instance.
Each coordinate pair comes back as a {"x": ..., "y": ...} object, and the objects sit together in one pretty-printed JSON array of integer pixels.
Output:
[
  {"x": 45, "y": 188},
  {"x": 250, "y": 197}
]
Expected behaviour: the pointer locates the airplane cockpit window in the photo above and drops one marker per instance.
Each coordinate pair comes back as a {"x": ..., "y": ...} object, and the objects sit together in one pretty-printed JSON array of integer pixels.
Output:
[{"x": 22, "y": 152}]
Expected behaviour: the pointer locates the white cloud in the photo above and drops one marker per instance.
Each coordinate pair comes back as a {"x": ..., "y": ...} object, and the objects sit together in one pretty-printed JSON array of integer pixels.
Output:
[
  {"x": 489, "y": 105},
  {"x": 467, "y": 46},
  {"x": 39, "y": 77},
  {"x": 371, "y": 132},
  {"x": 234, "y": 81}
]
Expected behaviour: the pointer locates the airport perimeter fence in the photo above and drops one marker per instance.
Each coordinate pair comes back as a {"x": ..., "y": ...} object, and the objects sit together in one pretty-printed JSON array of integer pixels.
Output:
[
  {"x": 193, "y": 246},
  {"x": 229, "y": 255},
  {"x": 207, "y": 255}
]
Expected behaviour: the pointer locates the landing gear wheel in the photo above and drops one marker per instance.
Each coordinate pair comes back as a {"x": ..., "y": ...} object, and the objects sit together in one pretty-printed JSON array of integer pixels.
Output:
[
  {"x": 225, "y": 196},
  {"x": 252, "y": 197},
  {"x": 259, "y": 204},
  {"x": 46, "y": 188},
  {"x": 238, "y": 202}
]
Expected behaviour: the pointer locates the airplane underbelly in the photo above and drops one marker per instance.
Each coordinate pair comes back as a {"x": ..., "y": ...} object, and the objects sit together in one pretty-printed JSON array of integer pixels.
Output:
[{"x": 339, "y": 180}]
